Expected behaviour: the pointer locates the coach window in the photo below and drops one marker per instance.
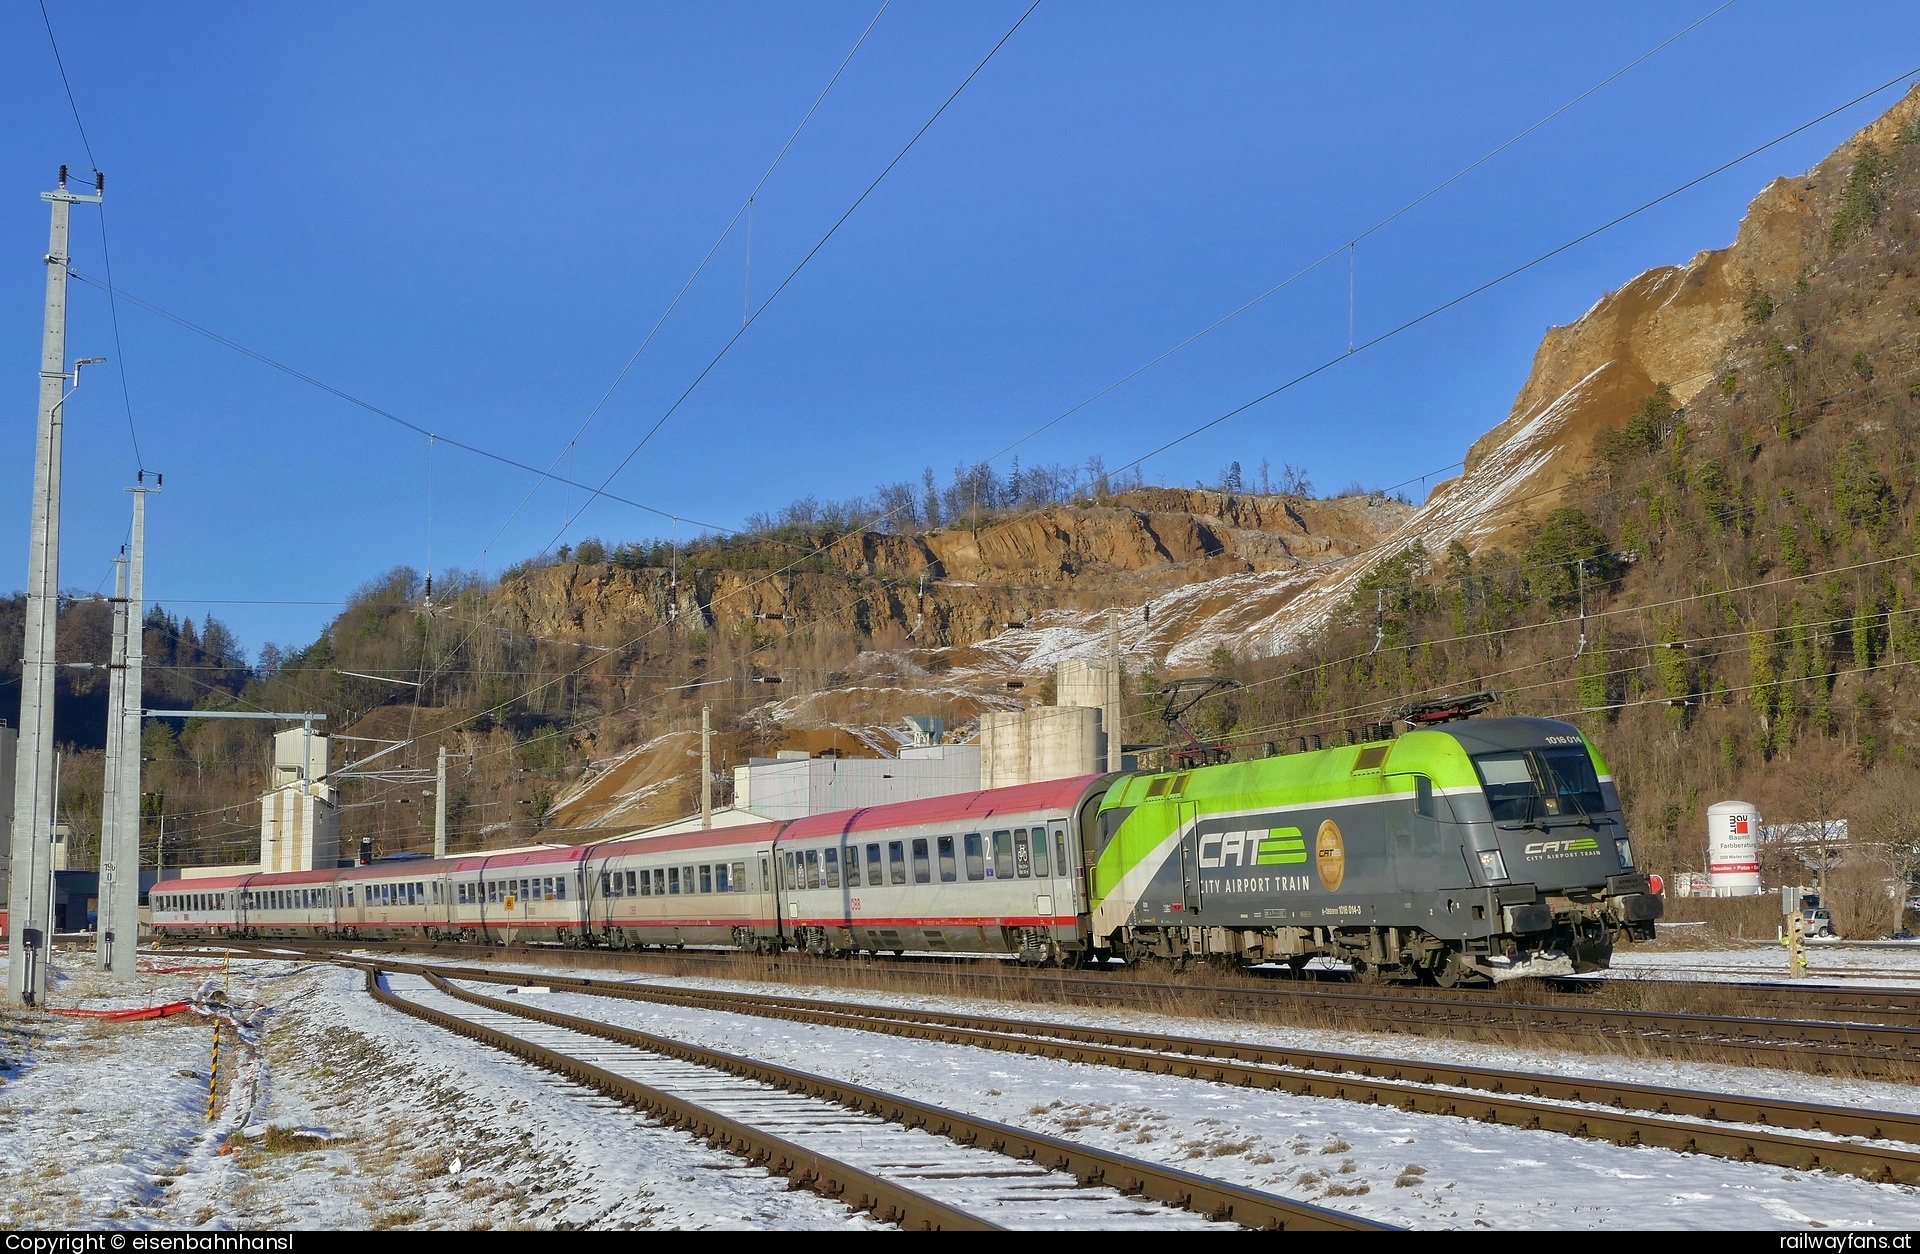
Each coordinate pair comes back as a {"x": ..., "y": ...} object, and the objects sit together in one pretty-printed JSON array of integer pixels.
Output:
[
  {"x": 645, "y": 885},
  {"x": 976, "y": 858},
  {"x": 830, "y": 865},
  {"x": 686, "y": 879},
  {"x": 740, "y": 877},
  {"x": 1002, "y": 855},
  {"x": 853, "y": 866},
  {"x": 873, "y": 866},
  {"x": 948, "y": 873},
  {"x": 896, "y": 862},
  {"x": 1022, "y": 860},
  {"x": 1060, "y": 850},
  {"x": 922, "y": 868},
  {"x": 614, "y": 884},
  {"x": 1040, "y": 851},
  {"x": 813, "y": 869},
  {"x": 659, "y": 881},
  {"x": 706, "y": 877},
  {"x": 673, "y": 881},
  {"x": 786, "y": 870},
  {"x": 721, "y": 882},
  {"x": 766, "y": 874}
]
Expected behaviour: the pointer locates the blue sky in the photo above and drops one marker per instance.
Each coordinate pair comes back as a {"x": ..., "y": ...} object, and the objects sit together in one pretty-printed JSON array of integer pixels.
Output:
[{"x": 471, "y": 214}]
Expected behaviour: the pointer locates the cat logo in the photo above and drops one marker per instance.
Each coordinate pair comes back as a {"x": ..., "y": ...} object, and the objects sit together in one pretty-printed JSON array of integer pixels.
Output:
[
  {"x": 1330, "y": 855},
  {"x": 1562, "y": 848}
]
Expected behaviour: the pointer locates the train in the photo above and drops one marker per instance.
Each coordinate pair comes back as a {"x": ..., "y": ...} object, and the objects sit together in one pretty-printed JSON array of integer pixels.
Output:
[{"x": 1459, "y": 854}]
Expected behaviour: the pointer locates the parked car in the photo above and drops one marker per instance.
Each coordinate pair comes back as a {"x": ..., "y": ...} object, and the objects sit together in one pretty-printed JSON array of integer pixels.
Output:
[{"x": 1817, "y": 922}]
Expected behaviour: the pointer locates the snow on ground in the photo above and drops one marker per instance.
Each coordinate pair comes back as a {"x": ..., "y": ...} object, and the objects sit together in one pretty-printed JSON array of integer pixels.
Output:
[
  {"x": 1423, "y": 1171},
  {"x": 1830, "y": 963},
  {"x": 348, "y": 1114},
  {"x": 356, "y": 1116}
]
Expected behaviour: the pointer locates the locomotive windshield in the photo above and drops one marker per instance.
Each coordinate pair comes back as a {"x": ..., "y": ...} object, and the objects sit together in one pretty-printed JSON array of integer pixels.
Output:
[{"x": 1527, "y": 784}]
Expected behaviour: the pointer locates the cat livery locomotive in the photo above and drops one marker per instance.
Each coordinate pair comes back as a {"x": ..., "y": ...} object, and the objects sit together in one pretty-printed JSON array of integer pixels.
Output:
[{"x": 1465, "y": 853}]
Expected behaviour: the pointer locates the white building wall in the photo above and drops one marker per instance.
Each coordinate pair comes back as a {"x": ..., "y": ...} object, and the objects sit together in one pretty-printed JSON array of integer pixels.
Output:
[
  {"x": 793, "y": 788},
  {"x": 299, "y": 828}
]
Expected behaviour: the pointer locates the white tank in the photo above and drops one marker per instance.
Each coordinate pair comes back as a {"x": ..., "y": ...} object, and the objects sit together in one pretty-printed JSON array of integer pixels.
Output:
[{"x": 1733, "y": 851}]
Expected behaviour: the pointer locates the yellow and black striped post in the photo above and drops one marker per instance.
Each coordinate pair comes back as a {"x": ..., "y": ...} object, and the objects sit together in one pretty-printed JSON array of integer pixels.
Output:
[{"x": 213, "y": 1073}]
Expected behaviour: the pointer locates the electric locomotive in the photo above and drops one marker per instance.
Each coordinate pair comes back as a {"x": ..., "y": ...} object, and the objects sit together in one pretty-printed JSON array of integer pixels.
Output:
[{"x": 1468, "y": 853}]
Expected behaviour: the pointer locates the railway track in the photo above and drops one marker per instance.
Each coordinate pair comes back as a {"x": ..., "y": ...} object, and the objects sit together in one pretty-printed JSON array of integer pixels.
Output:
[
  {"x": 1841, "y": 1044},
  {"x": 1688, "y": 1121},
  {"x": 913, "y": 1163}
]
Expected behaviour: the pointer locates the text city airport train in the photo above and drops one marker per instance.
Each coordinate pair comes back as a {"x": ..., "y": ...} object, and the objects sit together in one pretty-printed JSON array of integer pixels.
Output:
[{"x": 1456, "y": 854}]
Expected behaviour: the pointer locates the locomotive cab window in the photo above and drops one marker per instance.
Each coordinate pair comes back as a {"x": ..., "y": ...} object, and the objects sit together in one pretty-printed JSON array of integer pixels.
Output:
[{"x": 1527, "y": 784}]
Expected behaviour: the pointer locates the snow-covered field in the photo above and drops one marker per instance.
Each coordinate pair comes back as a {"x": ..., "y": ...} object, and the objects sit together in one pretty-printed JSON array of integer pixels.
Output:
[{"x": 336, "y": 1112}]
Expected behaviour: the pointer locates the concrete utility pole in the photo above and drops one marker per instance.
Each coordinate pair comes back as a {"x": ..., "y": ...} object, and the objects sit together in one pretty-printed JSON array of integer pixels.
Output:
[
  {"x": 124, "y": 889},
  {"x": 29, "y": 904},
  {"x": 440, "y": 801},
  {"x": 1111, "y": 716},
  {"x": 706, "y": 766},
  {"x": 104, "y": 929}
]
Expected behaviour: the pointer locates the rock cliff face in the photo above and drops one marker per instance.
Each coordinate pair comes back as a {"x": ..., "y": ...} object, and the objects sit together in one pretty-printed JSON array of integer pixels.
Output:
[
  {"x": 1671, "y": 325},
  {"x": 956, "y": 588}
]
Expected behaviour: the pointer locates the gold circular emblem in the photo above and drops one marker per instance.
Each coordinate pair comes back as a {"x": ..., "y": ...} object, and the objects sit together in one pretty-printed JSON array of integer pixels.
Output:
[{"x": 1330, "y": 855}]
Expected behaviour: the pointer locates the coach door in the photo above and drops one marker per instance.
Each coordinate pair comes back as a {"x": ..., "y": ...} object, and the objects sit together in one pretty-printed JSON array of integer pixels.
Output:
[
  {"x": 1059, "y": 885},
  {"x": 1188, "y": 813}
]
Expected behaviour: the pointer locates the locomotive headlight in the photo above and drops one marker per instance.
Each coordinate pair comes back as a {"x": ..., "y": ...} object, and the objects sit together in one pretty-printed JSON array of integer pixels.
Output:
[
  {"x": 1623, "y": 847},
  {"x": 1493, "y": 864}
]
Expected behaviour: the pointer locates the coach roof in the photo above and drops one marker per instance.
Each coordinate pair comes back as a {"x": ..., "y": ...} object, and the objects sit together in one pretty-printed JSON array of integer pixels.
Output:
[{"x": 958, "y": 809}]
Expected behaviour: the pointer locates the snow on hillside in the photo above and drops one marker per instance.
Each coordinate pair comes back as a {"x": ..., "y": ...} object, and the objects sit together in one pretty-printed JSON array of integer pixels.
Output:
[{"x": 1269, "y": 613}]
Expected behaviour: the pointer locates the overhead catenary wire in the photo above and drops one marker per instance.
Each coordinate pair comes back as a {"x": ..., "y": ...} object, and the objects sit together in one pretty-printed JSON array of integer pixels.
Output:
[
  {"x": 1354, "y": 242},
  {"x": 349, "y": 398},
  {"x": 794, "y": 273},
  {"x": 746, "y": 208}
]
